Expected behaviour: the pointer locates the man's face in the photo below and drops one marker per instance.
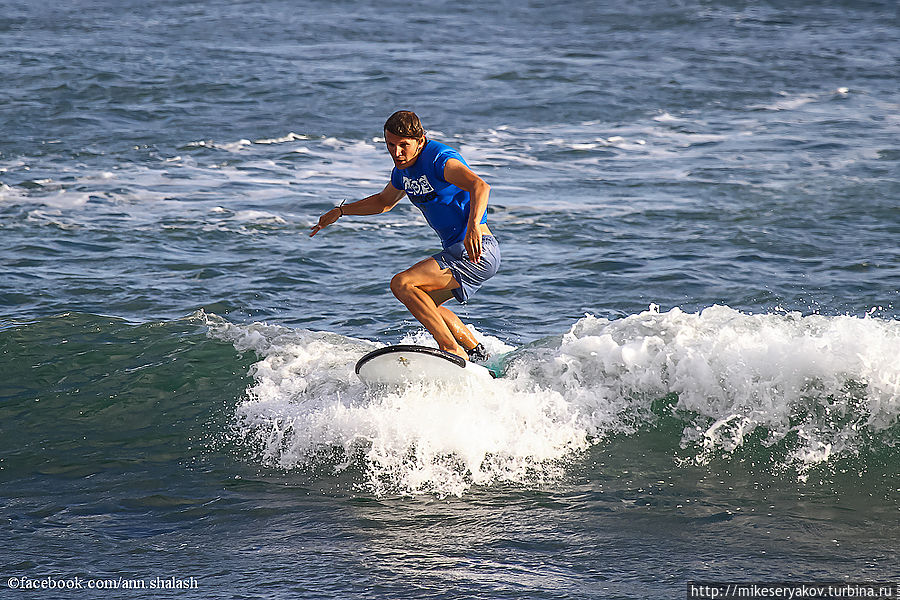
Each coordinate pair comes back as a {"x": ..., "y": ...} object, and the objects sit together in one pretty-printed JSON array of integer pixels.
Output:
[{"x": 403, "y": 150}]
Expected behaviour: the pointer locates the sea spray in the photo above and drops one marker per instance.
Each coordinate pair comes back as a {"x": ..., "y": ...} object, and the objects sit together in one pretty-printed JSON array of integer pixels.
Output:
[
  {"x": 819, "y": 386},
  {"x": 816, "y": 387},
  {"x": 306, "y": 402}
]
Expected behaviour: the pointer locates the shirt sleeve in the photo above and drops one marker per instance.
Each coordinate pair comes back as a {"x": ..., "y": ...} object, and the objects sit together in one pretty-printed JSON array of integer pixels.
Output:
[
  {"x": 440, "y": 161},
  {"x": 397, "y": 179}
]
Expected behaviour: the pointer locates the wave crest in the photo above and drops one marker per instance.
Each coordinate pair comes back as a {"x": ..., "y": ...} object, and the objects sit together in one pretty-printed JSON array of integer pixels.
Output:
[{"x": 808, "y": 390}]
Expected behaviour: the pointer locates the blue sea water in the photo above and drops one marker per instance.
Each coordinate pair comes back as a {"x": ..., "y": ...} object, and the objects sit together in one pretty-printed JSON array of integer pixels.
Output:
[{"x": 697, "y": 316}]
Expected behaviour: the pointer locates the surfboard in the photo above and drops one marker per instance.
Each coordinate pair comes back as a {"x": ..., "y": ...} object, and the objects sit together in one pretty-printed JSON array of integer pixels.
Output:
[{"x": 403, "y": 364}]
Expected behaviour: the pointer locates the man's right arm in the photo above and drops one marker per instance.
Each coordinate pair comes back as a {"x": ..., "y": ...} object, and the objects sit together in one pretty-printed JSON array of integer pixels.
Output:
[{"x": 375, "y": 204}]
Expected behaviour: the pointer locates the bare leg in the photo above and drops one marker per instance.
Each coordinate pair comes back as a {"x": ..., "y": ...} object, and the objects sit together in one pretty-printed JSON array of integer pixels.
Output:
[
  {"x": 422, "y": 288},
  {"x": 459, "y": 330},
  {"x": 461, "y": 333}
]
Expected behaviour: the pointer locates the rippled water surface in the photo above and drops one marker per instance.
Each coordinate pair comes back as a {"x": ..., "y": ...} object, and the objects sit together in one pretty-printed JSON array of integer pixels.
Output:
[{"x": 696, "y": 316}]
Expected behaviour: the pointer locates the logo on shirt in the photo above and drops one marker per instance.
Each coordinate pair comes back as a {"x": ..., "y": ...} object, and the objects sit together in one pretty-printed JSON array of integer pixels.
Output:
[{"x": 417, "y": 187}]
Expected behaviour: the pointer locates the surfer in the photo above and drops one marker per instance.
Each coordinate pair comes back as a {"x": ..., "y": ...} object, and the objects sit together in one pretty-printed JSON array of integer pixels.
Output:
[{"x": 454, "y": 201}]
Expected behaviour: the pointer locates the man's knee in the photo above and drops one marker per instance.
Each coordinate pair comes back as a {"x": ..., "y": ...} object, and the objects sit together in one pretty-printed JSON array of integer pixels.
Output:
[{"x": 401, "y": 283}]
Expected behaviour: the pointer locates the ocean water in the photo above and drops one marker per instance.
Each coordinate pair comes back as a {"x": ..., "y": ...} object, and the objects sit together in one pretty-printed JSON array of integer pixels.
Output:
[{"x": 697, "y": 315}]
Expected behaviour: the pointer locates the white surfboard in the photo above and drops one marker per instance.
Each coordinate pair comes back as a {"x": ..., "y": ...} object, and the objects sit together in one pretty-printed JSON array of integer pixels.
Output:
[{"x": 398, "y": 365}]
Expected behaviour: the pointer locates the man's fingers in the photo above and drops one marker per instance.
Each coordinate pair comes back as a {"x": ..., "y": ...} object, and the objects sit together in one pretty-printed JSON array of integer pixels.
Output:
[
  {"x": 474, "y": 252},
  {"x": 324, "y": 221}
]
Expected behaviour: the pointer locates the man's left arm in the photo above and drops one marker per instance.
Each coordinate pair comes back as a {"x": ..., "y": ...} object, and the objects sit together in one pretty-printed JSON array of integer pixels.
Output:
[{"x": 463, "y": 177}]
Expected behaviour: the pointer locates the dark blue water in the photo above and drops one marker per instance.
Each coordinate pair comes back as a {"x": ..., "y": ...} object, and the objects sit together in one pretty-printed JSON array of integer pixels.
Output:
[{"x": 697, "y": 313}]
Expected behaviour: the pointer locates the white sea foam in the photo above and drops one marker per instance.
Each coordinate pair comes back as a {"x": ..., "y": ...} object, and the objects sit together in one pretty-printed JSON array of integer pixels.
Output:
[
  {"x": 10, "y": 195},
  {"x": 789, "y": 102},
  {"x": 258, "y": 216},
  {"x": 652, "y": 149},
  {"x": 817, "y": 384},
  {"x": 306, "y": 399},
  {"x": 227, "y": 146},
  {"x": 666, "y": 118},
  {"x": 291, "y": 137}
]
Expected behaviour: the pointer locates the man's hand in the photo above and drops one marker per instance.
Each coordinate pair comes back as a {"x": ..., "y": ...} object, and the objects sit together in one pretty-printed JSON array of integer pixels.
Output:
[
  {"x": 472, "y": 242},
  {"x": 325, "y": 220}
]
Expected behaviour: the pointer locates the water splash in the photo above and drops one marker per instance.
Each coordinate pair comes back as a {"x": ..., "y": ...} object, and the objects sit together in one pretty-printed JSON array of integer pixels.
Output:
[{"x": 817, "y": 387}]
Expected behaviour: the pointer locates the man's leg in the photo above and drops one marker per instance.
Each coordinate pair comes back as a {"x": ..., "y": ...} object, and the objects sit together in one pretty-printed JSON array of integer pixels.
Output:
[
  {"x": 422, "y": 289},
  {"x": 462, "y": 333}
]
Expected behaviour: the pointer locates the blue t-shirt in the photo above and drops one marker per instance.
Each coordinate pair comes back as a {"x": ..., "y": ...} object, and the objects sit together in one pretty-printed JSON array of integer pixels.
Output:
[{"x": 445, "y": 206}]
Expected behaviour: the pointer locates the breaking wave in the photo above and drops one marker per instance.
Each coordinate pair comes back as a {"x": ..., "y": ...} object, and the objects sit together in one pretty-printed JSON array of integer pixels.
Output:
[{"x": 797, "y": 392}]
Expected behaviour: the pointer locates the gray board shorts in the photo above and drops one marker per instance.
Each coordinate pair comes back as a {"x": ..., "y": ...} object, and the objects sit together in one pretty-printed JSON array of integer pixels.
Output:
[{"x": 470, "y": 276}]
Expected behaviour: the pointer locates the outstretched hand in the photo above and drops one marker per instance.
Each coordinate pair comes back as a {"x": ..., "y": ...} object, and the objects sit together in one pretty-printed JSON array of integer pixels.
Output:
[{"x": 325, "y": 220}]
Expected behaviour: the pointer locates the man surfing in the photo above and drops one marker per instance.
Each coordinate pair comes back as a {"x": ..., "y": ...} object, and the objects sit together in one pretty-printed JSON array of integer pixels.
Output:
[{"x": 454, "y": 201}]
